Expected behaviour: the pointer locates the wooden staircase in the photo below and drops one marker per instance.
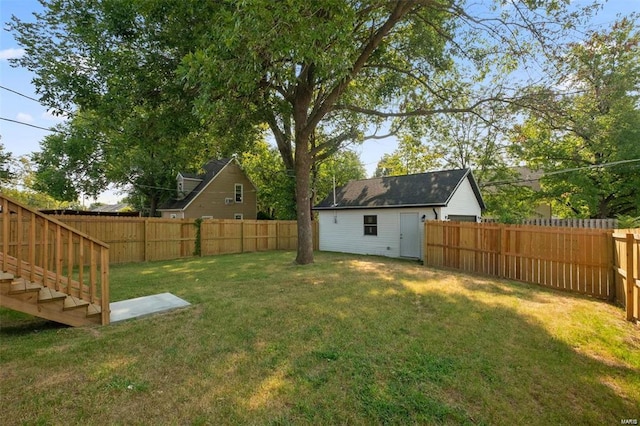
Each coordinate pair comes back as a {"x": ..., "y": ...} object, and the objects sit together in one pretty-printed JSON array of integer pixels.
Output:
[{"x": 51, "y": 270}]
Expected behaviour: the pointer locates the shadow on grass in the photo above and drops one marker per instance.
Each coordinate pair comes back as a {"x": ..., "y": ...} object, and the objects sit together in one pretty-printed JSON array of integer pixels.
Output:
[
  {"x": 27, "y": 325},
  {"x": 349, "y": 340},
  {"x": 452, "y": 359}
]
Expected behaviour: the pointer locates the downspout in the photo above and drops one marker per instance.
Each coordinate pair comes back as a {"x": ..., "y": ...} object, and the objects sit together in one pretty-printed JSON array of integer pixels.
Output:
[{"x": 435, "y": 213}]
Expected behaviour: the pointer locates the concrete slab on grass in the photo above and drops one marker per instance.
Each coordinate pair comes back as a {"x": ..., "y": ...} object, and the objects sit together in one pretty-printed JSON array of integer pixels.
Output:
[{"x": 146, "y": 305}]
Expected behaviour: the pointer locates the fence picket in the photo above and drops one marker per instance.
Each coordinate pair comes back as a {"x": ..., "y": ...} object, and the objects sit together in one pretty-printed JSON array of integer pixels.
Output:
[
  {"x": 134, "y": 239},
  {"x": 596, "y": 262},
  {"x": 553, "y": 257}
]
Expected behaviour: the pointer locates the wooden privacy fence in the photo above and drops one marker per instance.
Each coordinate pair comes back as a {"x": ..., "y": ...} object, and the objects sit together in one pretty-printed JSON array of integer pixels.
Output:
[
  {"x": 627, "y": 268},
  {"x": 571, "y": 223},
  {"x": 574, "y": 259},
  {"x": 133, "y": 239}
]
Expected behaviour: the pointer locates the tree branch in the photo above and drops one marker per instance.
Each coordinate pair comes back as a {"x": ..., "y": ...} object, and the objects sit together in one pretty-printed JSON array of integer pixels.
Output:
[{"x": 400, "y": 9}]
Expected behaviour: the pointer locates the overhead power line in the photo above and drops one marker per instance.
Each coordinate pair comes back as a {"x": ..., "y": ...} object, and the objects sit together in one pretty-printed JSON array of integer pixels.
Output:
[
  {"x": 557, "y": 172},
  {"x": 30, "y": 98},
  {"x": 48, "y": 129},
  {"x": 20, "y": 94}
]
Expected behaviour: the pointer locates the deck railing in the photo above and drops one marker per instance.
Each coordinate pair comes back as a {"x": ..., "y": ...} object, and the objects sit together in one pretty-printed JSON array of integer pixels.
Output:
[{"x": 50, "y": 253}]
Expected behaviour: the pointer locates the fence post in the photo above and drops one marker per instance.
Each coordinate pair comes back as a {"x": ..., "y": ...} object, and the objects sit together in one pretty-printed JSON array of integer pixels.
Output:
[
  {"x": 146, "y": 239},
  {"x": 629, "y": 279},
  {"x": 242, "y": 236},
  {"x": 613, "y": 269},
  {"x": 502, "y": 251}
]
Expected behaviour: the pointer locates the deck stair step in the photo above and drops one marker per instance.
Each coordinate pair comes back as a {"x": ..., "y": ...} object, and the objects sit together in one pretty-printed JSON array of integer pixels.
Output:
[
  {"x": 93, "y": 310},
  {"x": 6, "y": 277},
  {"x": 72, "y": 302},
  {"x": 20, "y": 285},
  {"x": 49, "y": 295}
]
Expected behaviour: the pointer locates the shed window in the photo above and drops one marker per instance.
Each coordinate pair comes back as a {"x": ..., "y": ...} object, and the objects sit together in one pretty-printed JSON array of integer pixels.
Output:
[
  {"x": 370, "y": 225},
  {"x": 239, "y": 192}
]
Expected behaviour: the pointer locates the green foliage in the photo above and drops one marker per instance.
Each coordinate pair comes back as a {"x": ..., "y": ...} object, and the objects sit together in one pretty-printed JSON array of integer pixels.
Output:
[
  {"x": 510, "y": 203},
  {"x": 319, "y": 74},
  {"x": 72, "y": 162},
  {"x": 411, "y": 156},
  {"x": 114, "y": 65},
  {"x": 198, "y": 243},
  {"x": 628, "y": 222},
  {"x": 6, "y": 166},
  {"x": 575, "y": 136},
  {"x": 20, "y": 186},
  {"x": 276, "y": 185}
]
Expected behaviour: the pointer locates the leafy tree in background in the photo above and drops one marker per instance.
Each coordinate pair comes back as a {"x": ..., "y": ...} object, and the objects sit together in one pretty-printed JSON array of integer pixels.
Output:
[
  {"x": 276, "y": 185},
  {"x": 466, "y": 141},
  {"x": 342, "y": 67},
  {"x": 6, "y": 166},
  {"x": 111, "y": 66},
  {"x": 412, "y": 156},
  {"x": 574, "y": 136},
  {"x": 265, "y": 168},
  {"x": 18, "y": 184},
  {"x": 343, "y": 167},
  {"x": 72, "y": 162},
  {"x": 335, "y": 68}
]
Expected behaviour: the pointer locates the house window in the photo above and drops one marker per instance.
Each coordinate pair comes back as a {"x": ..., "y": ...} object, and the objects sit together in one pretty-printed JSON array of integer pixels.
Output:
[
  {"x": 237, "y": 216},
  {"x": 370, "y": 225},
  {"x": 239, "y": 192},
  {"x": 173, "y": 216}
]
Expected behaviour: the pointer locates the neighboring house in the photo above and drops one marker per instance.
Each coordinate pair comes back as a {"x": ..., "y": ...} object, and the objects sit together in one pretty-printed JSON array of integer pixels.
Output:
[
  {"x": 384, "y": 216},
  {"x": 112, "y": 208},
  {"x": 223, "y": 191},
  {"x": 531, "y": 178},
  {"x": 527, "y": 178}
]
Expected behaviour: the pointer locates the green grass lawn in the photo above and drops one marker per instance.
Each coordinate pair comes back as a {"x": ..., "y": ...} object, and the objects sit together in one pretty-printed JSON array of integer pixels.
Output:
[{"x": 347, "y": 340}]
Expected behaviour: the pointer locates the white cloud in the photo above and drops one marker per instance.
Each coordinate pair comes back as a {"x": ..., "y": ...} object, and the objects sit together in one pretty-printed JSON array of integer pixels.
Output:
[
  {"x": 24, "y": 117},
  {"x": 49, "y": 115},
  {"x": 11, "y": 53}
]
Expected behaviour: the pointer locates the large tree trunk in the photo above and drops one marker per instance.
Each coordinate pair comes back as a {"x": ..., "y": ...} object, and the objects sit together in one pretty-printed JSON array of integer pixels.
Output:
[
  {"x": 153, "y": 205},
  {"x": 305, "y": 230}
]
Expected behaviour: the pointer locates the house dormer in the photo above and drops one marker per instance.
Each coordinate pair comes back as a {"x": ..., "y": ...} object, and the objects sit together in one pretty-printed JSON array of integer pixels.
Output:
[{"x": 186, "y": 184}]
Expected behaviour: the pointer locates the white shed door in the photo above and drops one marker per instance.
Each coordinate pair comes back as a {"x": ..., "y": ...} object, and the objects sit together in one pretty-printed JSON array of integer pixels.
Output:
[{"x": 409, "y": 235}]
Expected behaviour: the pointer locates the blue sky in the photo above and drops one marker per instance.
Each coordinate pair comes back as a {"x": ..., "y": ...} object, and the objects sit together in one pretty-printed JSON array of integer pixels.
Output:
[{"x": 21, "y": 139}]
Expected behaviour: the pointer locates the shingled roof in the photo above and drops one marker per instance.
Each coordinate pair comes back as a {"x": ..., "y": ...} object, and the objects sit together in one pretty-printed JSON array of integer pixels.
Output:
[
  {"x": 432, "y": 189},
  {"x": 211, "y": 170}
]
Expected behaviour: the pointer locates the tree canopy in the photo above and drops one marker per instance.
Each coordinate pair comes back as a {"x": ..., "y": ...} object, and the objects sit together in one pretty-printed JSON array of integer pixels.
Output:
[
  {"x": 111, "y": 66},
  {"x": 276, "y": 185},
  {"x": 319, "y": 74},
  {"x": 584, "y": 134},
  {"x": 341, "y": 68}
]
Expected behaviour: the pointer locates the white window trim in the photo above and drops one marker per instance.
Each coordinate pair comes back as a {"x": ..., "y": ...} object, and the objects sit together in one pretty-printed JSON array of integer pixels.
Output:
[
  {"x": 235, "y": 192},
  {"x": 238, "y": 216}
]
